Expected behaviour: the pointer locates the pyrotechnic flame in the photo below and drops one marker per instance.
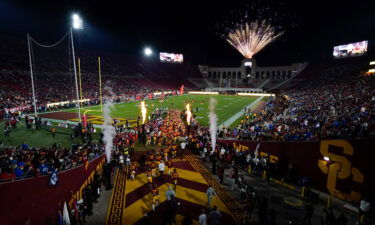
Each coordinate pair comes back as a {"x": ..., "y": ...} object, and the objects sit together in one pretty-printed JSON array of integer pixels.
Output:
[
  {"x": 250, "y": 38},
  {"x": 188, "y": 114},
  {"x": 144, "y": 111}
]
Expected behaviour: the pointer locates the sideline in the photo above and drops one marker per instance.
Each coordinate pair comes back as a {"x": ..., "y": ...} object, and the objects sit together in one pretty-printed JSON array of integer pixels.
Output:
[{"x": 232, "y": 119}]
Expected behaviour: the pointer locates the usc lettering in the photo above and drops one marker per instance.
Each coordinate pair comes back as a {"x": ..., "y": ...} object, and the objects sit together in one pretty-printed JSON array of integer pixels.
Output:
[
  {"x": 239, "y": 147},
  {"x": 339, "y": 167}
]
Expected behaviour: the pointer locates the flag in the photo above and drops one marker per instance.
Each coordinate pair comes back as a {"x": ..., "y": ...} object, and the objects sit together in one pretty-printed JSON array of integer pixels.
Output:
[
  {"x": 86, "y": 164},
  {"x": 66, "y": 219},
  {"x": 182, "y": 90},
  {"x": 257, "y": 150},
  {"x": 53, "y": 179}
]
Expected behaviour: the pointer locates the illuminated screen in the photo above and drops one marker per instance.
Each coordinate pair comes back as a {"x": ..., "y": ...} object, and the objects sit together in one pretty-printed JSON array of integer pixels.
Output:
[
  {"x": 248, "y": 64},
  {"x": 352, "y": 49},
  {"x": 171, "y": 57}
]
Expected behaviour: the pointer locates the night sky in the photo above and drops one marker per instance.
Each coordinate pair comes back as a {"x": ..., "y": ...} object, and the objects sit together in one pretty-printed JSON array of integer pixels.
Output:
[{"x": 188, "y": 27}]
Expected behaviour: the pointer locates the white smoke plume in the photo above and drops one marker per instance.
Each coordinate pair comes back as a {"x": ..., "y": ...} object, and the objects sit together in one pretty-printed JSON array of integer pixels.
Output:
[
  {"x": 109, "y": 131},
  {"x": 188, "y": 114},
  {"x": 213, "y": 122}
]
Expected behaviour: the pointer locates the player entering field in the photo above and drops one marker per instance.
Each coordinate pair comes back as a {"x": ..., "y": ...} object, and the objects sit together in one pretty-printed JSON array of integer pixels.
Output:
[
  {"x": 175, "y": 178},
  {"x": 155, "y": 197}
]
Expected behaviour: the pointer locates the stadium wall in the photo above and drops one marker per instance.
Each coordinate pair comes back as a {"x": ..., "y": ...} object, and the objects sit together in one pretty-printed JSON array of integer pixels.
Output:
[
  {"x": 347, "y": 175},
  {"x": 34, "y": 201}
]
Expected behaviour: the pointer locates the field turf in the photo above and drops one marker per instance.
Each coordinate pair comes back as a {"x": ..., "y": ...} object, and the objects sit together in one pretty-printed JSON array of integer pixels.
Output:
[{"x": 227, "y": 106}]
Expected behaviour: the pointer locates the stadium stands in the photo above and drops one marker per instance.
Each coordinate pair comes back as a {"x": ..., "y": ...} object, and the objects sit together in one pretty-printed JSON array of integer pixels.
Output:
[
  {"x": 335, "y": 103},
  {"x": 54, "y": 79}
]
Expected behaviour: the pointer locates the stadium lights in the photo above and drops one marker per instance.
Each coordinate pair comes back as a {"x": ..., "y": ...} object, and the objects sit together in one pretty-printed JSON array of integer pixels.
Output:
[
  {"x": 204, "y": 92},
  {"x": 256, "y": 94},
  {"x": 77, "y": 22},
  {"x": 148, "y": 51}
]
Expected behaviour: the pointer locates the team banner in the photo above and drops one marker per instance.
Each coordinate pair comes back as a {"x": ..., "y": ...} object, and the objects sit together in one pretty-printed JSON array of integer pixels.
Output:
[{"x": 343, "y": 168}]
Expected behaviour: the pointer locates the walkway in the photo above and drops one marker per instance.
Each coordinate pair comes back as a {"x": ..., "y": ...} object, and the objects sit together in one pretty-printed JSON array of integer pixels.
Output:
[
  {"x": 286, "y": 202},
  {"x": 131, "y": 200}
]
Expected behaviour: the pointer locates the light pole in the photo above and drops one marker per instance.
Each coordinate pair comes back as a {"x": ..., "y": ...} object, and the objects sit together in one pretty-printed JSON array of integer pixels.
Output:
[
  {"x": 77, "y": 24},
  {"x": 32, "y": 76}
]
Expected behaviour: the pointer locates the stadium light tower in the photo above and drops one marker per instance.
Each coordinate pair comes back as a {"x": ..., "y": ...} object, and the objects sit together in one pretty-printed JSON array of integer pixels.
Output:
[
  {"x": 77, "y": 24},
  {"x": 147, "y": 51}
]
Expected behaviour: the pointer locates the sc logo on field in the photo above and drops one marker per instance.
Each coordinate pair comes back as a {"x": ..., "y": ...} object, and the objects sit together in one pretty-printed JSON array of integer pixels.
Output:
[{"x": 339, "y": 167}]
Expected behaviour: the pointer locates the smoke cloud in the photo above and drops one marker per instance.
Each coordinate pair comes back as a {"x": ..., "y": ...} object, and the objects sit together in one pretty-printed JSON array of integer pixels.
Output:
[
  {"x": 109, "y": 131},
  {"x": 213, "y": 122}
]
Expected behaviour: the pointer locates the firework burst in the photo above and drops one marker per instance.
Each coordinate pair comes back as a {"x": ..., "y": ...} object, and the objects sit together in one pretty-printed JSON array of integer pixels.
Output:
[
  {"x": 250, "y": 38},
  {"x": 253, "y": 26}
]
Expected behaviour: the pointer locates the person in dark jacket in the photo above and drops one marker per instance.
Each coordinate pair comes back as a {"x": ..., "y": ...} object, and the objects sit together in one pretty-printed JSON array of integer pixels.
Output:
[{"x": 187, "y": 220}]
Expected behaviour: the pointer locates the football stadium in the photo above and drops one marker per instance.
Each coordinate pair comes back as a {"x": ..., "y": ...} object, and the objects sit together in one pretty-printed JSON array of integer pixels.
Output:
[{"x": 249, "y": 112}]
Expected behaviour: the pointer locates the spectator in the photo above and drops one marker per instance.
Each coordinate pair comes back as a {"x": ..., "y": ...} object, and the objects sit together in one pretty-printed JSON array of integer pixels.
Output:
[
  {"x": 203, "y": 218},
  {"x": 214, "y": 216}
]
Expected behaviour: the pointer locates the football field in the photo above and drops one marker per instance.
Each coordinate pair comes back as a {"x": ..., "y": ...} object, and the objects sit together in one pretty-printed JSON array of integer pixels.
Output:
[{"x": 227, "y": 106}]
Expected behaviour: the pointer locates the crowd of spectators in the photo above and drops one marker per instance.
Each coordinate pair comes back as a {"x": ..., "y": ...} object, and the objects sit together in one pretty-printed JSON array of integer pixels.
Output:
[
  {"x": 16, "y": 90},
  {"x": 338, "y": 104},
  {"x": 25, "y": 161},
  {"x": 54, "y": 79}
]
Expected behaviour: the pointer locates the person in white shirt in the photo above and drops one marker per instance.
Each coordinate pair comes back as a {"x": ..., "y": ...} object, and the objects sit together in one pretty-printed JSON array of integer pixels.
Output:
[
  {"x": 128, "y": 161},
  {"x": 364, "y": 209},
  {"x": 222, "y": 152},
  {"x": 161, "y": 169},
  {"x": 210, "y": 194},
  {"x": 121, "y": 161},
  {"x": 203, "y": 218},
  {"x": 183, "y": 145}
]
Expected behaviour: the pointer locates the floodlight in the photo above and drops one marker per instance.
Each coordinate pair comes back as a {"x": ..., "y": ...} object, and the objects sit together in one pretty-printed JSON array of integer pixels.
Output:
[
  {"x": 77, "y": 22},
  {"x": 148, "y": 51}
]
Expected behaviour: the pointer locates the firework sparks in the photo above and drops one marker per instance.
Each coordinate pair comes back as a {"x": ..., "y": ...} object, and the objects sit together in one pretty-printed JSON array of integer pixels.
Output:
[
  {"x": 188, "y": 114},
  {"x": 250, "y": 38},
  {"x": 144, "y": 112}
]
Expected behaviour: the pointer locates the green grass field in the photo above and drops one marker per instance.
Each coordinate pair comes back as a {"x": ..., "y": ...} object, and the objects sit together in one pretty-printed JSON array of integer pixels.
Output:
[
  {"x": 38, "y": 138},
  {"x": 227, "y": 106}
]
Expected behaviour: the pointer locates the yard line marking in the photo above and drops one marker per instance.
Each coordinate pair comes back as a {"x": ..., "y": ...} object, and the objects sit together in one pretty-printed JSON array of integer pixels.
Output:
[{"x": 231, "y": 120}]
